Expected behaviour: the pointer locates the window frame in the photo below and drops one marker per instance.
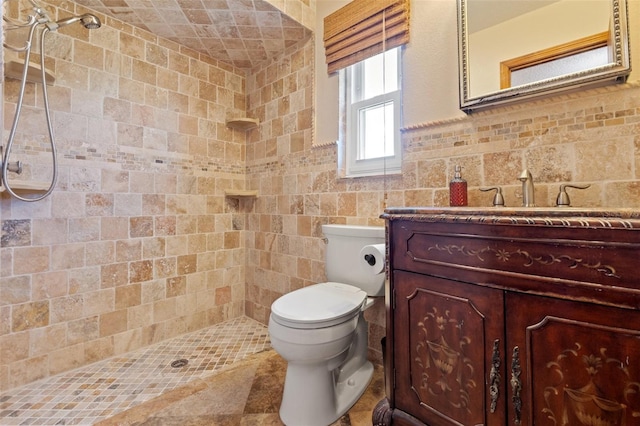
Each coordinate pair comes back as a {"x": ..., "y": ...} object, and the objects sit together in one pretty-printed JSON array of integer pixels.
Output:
[
  {"x": 354, "y": 167},
  {"x": 551, "y": 54}
]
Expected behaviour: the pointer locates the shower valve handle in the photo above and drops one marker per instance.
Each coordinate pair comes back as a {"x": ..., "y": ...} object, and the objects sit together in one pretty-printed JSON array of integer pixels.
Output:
[{"x": 15, "y": 167}]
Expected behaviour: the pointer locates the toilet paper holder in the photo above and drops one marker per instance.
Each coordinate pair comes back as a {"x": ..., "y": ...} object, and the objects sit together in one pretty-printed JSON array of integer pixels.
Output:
[{"x": 374, "y": 259}]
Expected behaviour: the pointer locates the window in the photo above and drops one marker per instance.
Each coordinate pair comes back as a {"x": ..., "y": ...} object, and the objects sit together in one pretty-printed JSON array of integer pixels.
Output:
[
  {"x": 372, "y": 108},
  {"x": 572, "y": 57}
]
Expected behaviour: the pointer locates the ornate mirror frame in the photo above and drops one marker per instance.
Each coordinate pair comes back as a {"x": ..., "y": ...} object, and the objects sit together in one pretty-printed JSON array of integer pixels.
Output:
[{"x": 615, "y": 71}]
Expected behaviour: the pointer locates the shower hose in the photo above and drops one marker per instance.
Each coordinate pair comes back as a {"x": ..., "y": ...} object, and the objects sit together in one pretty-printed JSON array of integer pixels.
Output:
[{"x": 32, "y": 24}]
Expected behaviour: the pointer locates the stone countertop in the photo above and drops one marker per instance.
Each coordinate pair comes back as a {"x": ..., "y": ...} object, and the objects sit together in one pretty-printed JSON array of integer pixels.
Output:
[{"x": 535, "y": 216}]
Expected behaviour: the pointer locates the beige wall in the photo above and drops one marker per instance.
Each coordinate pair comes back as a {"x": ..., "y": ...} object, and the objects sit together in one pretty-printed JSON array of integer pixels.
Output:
[
  {"x": 589, "y": 137},
  {"x": 138, "y": 243},
  {"x": 586, "y": 137},
  {"x": 491, "y": 47}
]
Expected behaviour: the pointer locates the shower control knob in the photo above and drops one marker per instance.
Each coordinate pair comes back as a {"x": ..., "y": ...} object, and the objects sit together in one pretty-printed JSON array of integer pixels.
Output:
[
  {"x": 15, "y": 167},
  {"x": 371, "y": 259}
]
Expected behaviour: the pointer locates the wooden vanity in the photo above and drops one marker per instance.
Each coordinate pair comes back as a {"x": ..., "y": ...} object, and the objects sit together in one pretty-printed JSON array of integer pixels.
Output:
[{"x": 512, "y": 317}]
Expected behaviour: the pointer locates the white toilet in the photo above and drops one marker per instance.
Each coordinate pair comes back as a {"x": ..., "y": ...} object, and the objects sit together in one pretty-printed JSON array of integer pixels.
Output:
[{"x": 321, "y": 332}]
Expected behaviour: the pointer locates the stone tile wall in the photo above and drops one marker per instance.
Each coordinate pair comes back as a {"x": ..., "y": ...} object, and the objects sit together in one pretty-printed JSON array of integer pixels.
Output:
[
  {"x": 303, "y": 11},
  {"x": 585, "y": 138},
  {"x": 590, "y": 137}
]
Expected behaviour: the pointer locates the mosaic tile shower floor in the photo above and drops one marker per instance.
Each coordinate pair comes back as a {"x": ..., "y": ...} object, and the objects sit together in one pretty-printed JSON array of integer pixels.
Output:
[{"x": 101, "y": 390}]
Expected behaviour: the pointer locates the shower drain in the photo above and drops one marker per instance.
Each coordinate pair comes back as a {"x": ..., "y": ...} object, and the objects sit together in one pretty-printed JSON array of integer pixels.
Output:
[{"x": 179, "y": 363}]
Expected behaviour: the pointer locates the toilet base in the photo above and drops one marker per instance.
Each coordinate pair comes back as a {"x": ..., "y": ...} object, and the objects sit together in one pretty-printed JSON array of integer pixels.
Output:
[
  {"x": 350, "y": 390},
  {"x": 324, "y": 402}
]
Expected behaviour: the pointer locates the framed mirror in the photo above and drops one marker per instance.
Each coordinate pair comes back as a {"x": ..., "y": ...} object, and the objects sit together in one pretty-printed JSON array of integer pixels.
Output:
[{"x": 511, "y": 50}]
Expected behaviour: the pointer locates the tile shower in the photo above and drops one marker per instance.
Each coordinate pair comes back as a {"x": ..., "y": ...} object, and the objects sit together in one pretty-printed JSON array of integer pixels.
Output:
[{"x": 139, "y": 243}]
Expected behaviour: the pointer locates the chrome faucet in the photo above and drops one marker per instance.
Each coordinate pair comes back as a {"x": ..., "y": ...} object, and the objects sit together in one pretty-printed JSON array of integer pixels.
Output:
[{"x": 528, "y": 191}]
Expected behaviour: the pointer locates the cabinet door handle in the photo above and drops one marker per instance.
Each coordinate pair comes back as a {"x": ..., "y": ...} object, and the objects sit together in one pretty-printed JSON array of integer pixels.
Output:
[
  {"x": 516, "y": 385},
  {"x": 494, "y": 375}
]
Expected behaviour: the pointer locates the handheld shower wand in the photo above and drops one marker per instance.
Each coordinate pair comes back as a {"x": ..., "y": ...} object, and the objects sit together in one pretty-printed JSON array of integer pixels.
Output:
[
  {"x": 39, "y": 17},
  {"x": 88, "y": 20}
]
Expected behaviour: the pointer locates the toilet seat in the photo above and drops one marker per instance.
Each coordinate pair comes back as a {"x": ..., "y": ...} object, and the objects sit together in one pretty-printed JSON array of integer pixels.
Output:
[{"x": 318, "y": 306}]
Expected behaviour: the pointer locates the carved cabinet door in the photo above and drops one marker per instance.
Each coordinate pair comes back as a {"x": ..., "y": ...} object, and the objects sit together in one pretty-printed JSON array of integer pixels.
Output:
[
  {"x": 579, "y": 362},
  {"x": 448, "y": 340}
]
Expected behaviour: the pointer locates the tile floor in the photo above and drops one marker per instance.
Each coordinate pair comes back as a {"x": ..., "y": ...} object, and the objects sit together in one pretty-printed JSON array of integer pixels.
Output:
[
  {"x": 246, "y": 394},
  {"x": 232, "y": 378},
  {"x": 87, "y": 395}
]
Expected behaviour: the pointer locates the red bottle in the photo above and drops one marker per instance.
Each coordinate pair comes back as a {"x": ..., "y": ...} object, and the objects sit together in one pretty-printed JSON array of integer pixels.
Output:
[{"x": 457, "y": 190}]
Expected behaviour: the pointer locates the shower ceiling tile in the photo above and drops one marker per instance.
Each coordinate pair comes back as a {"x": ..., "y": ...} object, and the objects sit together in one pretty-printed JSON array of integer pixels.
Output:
[{"x": 243, "y": 33}]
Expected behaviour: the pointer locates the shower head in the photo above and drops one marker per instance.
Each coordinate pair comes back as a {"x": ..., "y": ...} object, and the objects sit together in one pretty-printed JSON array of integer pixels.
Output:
[{"x": 89, "y": 21}]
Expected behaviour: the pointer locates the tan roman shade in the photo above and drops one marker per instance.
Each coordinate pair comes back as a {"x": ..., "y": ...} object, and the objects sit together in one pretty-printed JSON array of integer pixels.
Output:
[{"x": 355, "y": 32}]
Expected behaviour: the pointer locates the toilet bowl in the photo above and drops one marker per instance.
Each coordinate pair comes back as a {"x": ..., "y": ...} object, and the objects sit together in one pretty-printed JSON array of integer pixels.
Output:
[{"x": 321, "y": 332}]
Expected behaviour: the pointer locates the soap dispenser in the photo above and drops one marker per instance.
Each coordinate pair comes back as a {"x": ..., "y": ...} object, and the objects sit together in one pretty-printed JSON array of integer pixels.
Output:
[{"x": 457, "y": 189}]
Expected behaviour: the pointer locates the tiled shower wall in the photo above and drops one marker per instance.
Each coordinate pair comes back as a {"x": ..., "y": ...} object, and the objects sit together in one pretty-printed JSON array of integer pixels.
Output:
[{"x": 138, "y": 242}]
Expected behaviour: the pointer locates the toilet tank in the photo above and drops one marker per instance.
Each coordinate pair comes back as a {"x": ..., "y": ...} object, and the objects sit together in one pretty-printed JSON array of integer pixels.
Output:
[{"x": 343, "y": 262}]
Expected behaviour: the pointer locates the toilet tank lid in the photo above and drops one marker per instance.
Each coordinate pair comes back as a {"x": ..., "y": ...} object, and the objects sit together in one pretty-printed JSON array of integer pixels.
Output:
[
  {"x": 319, "y": 303},
  {"x": 354, "y": 230}
]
